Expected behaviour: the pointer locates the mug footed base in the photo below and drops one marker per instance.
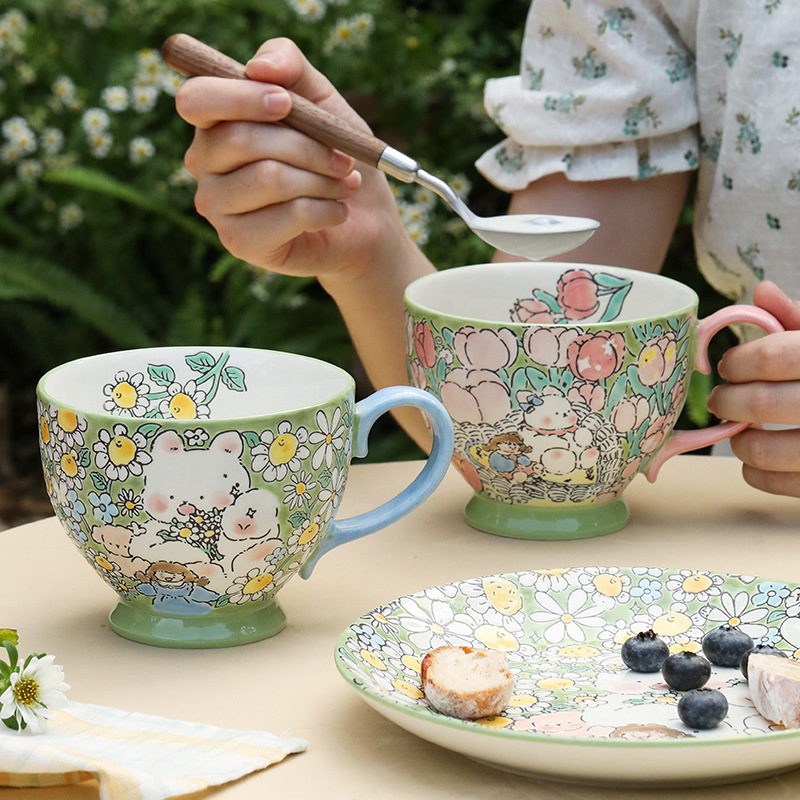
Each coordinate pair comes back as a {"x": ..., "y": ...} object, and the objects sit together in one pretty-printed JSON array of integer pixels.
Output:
[
  {"x": 193, "y": 632},
  {"x": 535, "y": 522}
]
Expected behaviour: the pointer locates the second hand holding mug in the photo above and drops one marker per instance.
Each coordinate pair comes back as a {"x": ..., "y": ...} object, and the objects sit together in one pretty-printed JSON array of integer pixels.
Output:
[
  {"x": 563, "y": 382},
  {"x": 197, "y": 481}
]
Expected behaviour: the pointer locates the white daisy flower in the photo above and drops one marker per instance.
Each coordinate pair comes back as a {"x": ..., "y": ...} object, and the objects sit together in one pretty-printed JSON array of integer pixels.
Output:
[
  {"x": 332, "y": 496},
  {"x": 52, "y": 140},
  {"x": 64, "y": 90},
  {"x": 70, "y": 216},
  {"x": 569, "y": 621},
  {"x": 95, "y": 16},
  {"x": 140, "y": 150},
  {"x": 280, "y": 452},
  {"x": 328, "y": 439},
  {"x": 127, "y": 394},
  {"x": 119, "y": 453},
  {"x": 184, "y": 402},
  {"x": 94, "y": 121},
  {"x": 252, "y": 586},
  {"x": 115, "y": 98},
  {"x": 100, "y": 144},
  {"x": 29, "y": 170},
  {"x": 143, "y": 98},
  {"x": 34, "y": 691}
]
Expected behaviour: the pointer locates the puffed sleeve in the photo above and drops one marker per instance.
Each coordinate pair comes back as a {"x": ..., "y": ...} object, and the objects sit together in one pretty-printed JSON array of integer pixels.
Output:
[{"x": 604, "y": 91}]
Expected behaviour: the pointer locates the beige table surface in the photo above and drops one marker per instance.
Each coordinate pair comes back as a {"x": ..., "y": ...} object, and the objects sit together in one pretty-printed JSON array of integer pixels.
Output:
[{"x": 700, "y": 515}]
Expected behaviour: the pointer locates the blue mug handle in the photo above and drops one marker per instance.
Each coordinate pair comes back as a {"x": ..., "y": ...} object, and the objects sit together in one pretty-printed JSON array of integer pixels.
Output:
[{"x": 367, "y": 412}]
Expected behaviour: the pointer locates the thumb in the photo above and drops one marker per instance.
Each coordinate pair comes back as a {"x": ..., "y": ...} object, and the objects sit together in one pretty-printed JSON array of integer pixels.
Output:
[{"x": 787, "y": 311}]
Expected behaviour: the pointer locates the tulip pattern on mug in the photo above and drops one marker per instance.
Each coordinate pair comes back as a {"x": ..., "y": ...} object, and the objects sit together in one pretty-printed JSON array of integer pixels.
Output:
[{"x": 566, "y": 403}]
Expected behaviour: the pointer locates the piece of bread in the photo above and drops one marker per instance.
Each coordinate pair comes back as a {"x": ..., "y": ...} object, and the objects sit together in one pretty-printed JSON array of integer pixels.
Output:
[
  {"x": 466, "y": 682},
  {"x": 775, "y": 688}
]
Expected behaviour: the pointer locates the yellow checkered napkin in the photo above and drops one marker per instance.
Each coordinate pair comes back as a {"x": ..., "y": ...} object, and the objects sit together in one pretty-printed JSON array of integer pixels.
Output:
[{"x": 135, "y": 756}]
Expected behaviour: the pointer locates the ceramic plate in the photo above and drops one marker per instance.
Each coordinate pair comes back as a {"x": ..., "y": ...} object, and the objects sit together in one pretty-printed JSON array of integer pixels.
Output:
[{"x": 577, "y": 713}]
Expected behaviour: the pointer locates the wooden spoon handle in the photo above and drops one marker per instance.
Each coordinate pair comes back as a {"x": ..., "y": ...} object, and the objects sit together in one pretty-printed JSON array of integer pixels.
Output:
[{"x": 192, "y": 58}]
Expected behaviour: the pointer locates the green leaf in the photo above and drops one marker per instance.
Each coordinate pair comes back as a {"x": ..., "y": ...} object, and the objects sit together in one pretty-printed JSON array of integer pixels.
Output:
[
  {"x": 100, "y": 481},
  {"x": 201, "y": 362},
  {"x": 162, "y": 374},
  {"x": 251, "y": 437},
  {"x": 233, "y": 378},
  {"x": 95, "y": 180},
  {"x": 29, "y": 277},
  {"x": 13, "y": 655},
  {"x": 149, "y": 430}
]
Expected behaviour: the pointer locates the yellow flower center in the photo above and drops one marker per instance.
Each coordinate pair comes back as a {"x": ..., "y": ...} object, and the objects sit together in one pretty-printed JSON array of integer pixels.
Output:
[
  {"x": 496, "y": 638},
  {"x": 503, "y": 595},
  {"x": 554, "y": 683},
  {"x": 373, "y": 659},
  {"x": 328, "y": 439},
  {"x": 412, "y": 662},
  {"x": 300, "y": 487},
  {"x": 121, "y": 451},
  {"x": 102, "y": 562},
  {"x": 257, "y": 584},
  {"x": 125, "y": 396},
  {"x": 608, "y": 585},
  {"x": 44, "y": 430},
  {"x": 69, "y": 465},
  {"x": 567, "y": 618},
  {"x": 67, "y": 420},
  {"x": 26, "y": 691},
  {"x": 408, "y": 689},
  {"x": 282, "y": 450},
  {"x": 181, "y": 406},
  {"x": 696, "y": 583},
  {"x": 309, "y": 533},
  {"x": 184, "y": 533}
]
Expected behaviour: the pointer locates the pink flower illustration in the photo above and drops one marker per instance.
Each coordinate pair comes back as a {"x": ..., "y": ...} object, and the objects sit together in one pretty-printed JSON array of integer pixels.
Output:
[
  {"x": 657, "y": 359},
  {"x": 577, "y": 294},
  {"x": 532, "y": 310},
  {"x": 629, "y": 413},
  {"x": 475, "y": 395},
  {"x": 548, "y": 346},
  {"x": 424, "y": 344},
  {"x": 658, "y": 431},
  {"x": 595, "y": 356},
  {"x": 481, "y": 348},
  {"x": 592, "y": 394},
  {"x": 417, "y": 374}
]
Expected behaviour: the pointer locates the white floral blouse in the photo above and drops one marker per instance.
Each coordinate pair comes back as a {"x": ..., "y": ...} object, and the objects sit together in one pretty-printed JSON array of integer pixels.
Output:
[{"x": 636, "y": 89}]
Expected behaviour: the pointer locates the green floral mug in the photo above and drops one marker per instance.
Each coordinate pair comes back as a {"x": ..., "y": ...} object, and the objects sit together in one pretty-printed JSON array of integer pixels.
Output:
[
  {"x": 197, "y": 481},
  {"x": 563, "y": 382}
]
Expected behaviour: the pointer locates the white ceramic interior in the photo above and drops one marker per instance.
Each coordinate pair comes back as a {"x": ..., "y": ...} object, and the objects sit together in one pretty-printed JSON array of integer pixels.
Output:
[
  {"x": 273, "y": 381},
  {"x": 487, "y": 292}
]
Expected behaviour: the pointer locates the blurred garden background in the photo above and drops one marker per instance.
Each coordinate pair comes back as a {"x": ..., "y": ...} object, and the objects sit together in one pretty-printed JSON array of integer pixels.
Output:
[{"x": 100, "y": 247}]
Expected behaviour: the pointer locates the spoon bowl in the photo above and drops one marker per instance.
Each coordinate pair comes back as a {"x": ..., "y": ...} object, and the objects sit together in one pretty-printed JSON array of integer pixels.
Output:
[{"x": 531, "y": 236}]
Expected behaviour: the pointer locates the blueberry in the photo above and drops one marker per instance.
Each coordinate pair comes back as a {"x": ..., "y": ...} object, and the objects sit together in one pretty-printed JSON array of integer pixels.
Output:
[
  {"x": 702, "y": 709},
  {"x": 761, "y": 649},
  {"x": 644, "y": 652},
  {"x": 725, "y": 646},
  {"x": 686, "y": 670}
]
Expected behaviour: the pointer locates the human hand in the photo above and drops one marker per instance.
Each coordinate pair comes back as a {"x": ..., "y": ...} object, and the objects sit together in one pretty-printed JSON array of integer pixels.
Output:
[
  {"x": 763, "y": 387},
  {"x": 277, "y": 198}
]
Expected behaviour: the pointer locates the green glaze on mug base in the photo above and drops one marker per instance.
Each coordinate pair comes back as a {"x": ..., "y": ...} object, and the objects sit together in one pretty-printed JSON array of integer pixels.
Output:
[
  {"x": 546, "y": 524},
  {"x": 192, "y": 632}
]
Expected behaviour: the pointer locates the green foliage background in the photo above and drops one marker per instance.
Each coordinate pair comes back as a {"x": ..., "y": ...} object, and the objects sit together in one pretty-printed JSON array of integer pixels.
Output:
[{"x": 142, "y": 268}]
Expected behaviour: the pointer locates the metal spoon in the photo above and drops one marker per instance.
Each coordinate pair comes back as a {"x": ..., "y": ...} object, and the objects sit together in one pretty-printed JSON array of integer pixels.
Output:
[{"x": 532, "y": 236}]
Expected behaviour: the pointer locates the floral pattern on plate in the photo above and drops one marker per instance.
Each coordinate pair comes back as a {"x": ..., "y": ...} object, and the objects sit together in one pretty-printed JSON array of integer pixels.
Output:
[{"x": 562, "y": 631}]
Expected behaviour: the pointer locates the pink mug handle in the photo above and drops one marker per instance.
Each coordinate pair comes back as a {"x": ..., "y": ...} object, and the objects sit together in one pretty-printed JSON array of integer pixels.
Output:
[{"x": 684, "y": 441}]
